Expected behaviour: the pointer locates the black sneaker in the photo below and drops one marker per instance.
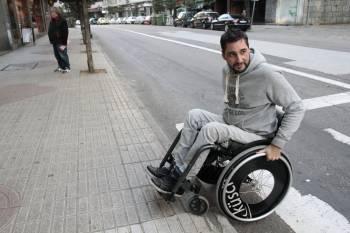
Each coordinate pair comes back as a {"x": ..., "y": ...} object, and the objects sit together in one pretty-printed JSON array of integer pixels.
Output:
[
  {"x": 157, "y": 171},
  {"x": 66, "y": 70},
  {"x": 166, "y": 183},
  {"x": 58, "y": 69}
]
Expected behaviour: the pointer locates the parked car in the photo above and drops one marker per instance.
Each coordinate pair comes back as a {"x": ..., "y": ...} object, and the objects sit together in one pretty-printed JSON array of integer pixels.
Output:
[
  {"x": 183, "y": 18},
  {"x": 119, "y": 20},
  {"x": 229, "y": 21},
  {"x": 140, "y": 19},
  {"x": 113, "y": 20},
  {"x": 203, "y": 19},
  {"x": 92, "y": 21},
  {"x": 102, "y": 20},
  {"x": 131, "y": 20},
  {"x": 124, "y": 20},
  {"x": 147, "y": 20}
]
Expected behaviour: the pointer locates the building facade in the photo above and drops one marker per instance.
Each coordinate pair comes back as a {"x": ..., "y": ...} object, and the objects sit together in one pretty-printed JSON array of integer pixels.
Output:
[
  {"x": 125, "y": 8},
  {"x": 18, "y": 18},
  {"x": 291, "y": 12}
]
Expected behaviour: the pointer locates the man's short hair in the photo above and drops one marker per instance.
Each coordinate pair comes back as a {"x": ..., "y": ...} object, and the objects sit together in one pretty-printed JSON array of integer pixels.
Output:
[
  {"x": 57, "y": 10},
  {"x": 232, "y": 36}
]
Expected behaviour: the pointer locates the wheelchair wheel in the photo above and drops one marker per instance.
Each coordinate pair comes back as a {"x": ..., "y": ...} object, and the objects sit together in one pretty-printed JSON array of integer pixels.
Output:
[
  {"x": 250, "y": 187},
  {"x": 198, "y": 205}
]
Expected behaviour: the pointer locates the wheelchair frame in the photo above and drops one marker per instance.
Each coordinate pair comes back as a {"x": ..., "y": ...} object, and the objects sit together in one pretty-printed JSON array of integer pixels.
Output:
[{"x": 235, "y": 158}]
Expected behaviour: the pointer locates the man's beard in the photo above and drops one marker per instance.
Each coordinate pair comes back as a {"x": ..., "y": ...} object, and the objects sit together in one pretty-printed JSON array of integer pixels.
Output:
[{"x": 237, "y": 71}]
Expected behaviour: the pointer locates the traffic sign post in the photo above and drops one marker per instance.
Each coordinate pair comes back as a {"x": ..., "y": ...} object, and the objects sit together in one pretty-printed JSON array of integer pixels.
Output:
[{"x": 251, "y": 21}]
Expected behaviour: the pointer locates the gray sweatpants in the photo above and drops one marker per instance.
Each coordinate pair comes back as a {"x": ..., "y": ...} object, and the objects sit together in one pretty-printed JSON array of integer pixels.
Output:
[{"x": 202, "y": 128}]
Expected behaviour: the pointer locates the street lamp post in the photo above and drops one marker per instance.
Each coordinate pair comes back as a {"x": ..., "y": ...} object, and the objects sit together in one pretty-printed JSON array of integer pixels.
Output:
[{"x": 252, "y": 19}]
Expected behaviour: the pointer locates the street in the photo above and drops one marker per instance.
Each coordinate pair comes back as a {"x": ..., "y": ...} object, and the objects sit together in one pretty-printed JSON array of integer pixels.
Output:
[{"x": 173, "y": 70}]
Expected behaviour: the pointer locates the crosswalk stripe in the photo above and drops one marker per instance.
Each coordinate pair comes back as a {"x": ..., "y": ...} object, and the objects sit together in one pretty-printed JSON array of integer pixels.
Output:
[
  {"x": 307, "y": 213},
  {"x": 339, "y": 136},
  {"x": 327, "y": 101}
]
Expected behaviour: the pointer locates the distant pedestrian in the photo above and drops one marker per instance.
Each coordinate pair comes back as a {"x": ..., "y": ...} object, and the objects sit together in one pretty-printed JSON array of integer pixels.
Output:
[{"x": 58, "y": 36}]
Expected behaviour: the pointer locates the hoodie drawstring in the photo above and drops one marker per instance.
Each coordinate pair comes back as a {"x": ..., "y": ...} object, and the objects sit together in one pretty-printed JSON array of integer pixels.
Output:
[
  {"x": 237, "y": 90},
  {"x": 226, "y": 87}
]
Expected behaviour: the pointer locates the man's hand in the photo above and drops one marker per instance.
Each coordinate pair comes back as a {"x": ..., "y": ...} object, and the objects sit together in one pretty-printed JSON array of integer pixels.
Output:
[{"x": 272, "y": 152}]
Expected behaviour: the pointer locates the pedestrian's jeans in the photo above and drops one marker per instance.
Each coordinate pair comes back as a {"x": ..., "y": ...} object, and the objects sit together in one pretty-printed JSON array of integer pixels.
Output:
[
  {"x": 61, "y": 56},
  {"x": 202, "y": 128}
]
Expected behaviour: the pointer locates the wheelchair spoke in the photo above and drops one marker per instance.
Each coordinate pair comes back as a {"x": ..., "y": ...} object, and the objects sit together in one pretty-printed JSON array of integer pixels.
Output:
[
  {"x": 259, "y": 187},
  {"x": 261, "y": 174}
]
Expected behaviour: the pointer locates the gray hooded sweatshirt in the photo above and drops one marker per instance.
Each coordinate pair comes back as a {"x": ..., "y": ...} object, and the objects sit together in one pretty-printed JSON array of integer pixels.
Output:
[{"x": 251, "y": 98}]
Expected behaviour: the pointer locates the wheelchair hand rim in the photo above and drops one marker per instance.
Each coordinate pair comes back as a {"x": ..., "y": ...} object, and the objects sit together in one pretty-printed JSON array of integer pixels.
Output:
[{"x": 227, "y": 175}]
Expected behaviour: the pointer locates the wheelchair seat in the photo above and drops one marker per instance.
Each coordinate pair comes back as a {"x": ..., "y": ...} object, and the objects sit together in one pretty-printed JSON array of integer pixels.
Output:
[
  {"x": 236, "y": 147},
  {"x": 209, "y": 172}
]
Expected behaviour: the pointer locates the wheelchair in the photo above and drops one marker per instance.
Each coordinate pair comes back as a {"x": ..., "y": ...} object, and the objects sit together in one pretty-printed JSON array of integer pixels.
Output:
[{"x": 248, "y": 187}]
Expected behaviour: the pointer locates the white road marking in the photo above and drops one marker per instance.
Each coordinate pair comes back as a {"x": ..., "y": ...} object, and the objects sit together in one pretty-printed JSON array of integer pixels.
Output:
[
  {"x": 303, "y": 74},
  {"x": 305, "y": 214},
  {"x": 176, "y": 42},
  {"x": 314, "y": 77},
  {"x": 327, "y": 101},
  {"x": 323, "y": 60},
  {"x": 339, "y": 136}
]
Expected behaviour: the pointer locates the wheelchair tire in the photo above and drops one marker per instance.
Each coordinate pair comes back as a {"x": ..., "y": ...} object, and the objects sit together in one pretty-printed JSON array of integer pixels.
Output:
[
  {"x": 250, "y": 187},
  {"x": 198, "y": 205}
]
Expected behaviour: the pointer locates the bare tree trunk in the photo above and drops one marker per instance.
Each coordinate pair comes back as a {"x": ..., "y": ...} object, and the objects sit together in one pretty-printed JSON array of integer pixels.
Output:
[
  {"x": 87, "y": 38},
  {"x": 81, "y": 18}
]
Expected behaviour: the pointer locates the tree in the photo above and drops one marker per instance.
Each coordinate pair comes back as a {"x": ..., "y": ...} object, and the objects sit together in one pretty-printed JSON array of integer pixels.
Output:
[
  {"x": 170, "y": 4},
  {"x": 189, "y": 3},
  {"x": 85, "y": 17},
  {"x": 158, "y": 6},
  {"x": 207, "y": 3},
  {"x": 74, "y": 6}
]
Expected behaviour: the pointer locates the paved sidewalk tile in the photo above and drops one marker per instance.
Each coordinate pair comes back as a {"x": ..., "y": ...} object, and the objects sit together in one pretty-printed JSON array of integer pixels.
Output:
[{"x": 75, "y": 147}]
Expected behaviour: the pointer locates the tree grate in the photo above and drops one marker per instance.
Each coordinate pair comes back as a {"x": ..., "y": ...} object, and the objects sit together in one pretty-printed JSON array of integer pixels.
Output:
[{"x": 23, "y": 66}]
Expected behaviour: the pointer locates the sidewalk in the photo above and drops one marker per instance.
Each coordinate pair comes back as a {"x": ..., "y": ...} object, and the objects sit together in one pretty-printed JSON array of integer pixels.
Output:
[{"x": 74, "y": 147}]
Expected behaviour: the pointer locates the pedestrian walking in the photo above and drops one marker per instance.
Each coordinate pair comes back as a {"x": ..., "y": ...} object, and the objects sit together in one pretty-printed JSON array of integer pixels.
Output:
[{"x": 58, "y": 36}]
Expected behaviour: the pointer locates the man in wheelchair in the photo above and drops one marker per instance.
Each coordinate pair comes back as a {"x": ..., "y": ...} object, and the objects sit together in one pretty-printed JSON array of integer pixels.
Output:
[{"x": 252, "y": 90}]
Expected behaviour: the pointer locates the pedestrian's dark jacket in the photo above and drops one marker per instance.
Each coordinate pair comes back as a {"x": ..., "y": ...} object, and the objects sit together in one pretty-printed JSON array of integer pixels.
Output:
[{"x": 58, "y": 31}]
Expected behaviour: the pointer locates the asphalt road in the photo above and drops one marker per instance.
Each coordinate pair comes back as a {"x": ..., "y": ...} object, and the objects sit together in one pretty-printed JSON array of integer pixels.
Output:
[{"x": 172, "y": 78}]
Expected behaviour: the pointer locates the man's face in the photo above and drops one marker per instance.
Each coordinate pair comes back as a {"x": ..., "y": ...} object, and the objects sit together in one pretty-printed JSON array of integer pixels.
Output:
[
  {"x": 54, "y": 15},
  {"x": 236, "y": 55}
]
